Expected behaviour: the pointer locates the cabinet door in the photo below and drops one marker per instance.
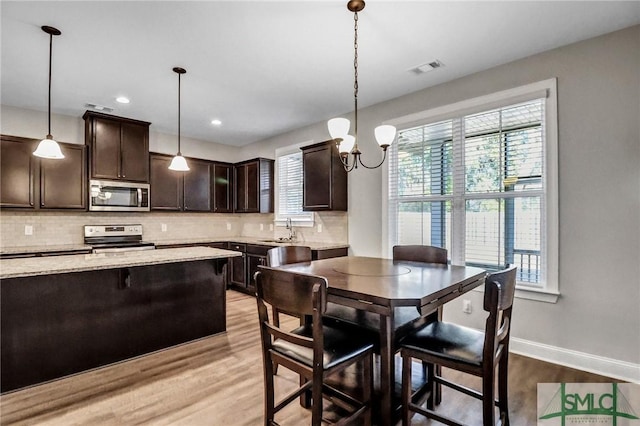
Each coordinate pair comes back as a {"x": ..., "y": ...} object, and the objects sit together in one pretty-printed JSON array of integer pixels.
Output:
[
  {"x": 17, "y": 173},
  {"x": 105, "y": 147},
  {"x": 238, "y": 271},
  {"x": 316, "y": 177},
  {"x": 222, "y": 188},
  {"x": 240, "y": 188},
  {"x": 166, "y": 191},
  {"x": 197, "y": 186},
  {"x": 63, "y": 183},
  {"x": 252, "y": 188},
  {"x": 253, "y": 261},
  {"x": 134, "y": 148}
]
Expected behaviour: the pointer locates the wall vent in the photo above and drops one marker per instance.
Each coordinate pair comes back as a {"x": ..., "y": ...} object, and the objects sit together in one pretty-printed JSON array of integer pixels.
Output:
[
  {"x": 429, "y": 66},
  {"x": 100, "y": 108}
]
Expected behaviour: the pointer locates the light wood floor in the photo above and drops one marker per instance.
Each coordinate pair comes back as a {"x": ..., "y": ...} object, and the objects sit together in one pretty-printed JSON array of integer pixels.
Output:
[{"x": 218, "y": 381}]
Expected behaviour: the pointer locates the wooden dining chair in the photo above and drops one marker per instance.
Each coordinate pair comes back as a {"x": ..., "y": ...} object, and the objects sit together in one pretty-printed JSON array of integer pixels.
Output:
[
  {"x": 285, "y": 255},
  {"x": 467, "y": 350},
  {"x": 314, "y": 351}
]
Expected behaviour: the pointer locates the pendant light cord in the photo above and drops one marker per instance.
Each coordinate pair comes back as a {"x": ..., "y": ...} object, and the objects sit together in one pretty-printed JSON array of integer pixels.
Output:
[
  {"x": 355, "y": 73},
  {"x": 50, "y": 56},
  {"x": 179, "y": 77}
]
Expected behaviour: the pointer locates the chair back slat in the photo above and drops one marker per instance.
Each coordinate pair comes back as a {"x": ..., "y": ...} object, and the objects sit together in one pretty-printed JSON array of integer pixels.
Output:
[
  {"x": 285, "y": 255},
  {"x": 419, "y": 253},
  {"x": 290, "y": 292}
]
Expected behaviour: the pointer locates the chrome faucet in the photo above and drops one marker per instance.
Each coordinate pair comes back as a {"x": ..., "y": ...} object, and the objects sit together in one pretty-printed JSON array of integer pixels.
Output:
[{"x": 292, "y": 232}]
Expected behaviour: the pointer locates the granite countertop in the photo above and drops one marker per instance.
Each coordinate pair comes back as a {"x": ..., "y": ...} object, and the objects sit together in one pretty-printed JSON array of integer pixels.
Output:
[
  {"x": 314, "y": 245},
  {"x": 31, "y": 266},
  {"x": 44, "y": 248}
]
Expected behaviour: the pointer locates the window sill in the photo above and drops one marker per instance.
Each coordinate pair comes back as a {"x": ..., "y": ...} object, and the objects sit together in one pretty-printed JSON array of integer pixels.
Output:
[{"x": 529, "y": 293}]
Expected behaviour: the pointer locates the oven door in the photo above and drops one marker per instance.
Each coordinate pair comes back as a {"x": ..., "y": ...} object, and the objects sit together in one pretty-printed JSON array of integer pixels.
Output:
[{"x": 118, "y": 196}]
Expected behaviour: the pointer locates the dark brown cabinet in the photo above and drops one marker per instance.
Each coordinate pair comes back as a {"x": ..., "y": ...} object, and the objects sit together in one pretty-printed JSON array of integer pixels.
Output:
[
  {"x": 325, "y": 180},
  {"x": 17, "y": 172},
  {"x": 166, "y": 185},
  {"x": 63, "y": 183},
  {"x": 197, "y": 186},
  {"x": 180, "y": 191},
  {"x": 31, "y": 182},
  {"x": 256, "y": 256},
  {"x": 222, "y": 187},
  {"x": 119, "y": 147},
  {"x": 253, "y": 186},
  {"x": 238, "y": 271}
]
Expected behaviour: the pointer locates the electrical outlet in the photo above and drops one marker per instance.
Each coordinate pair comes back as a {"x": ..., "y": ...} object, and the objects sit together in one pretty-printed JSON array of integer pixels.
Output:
[
  {"x": 271, "y": 227},
  {"x": 466, "y": 306},
  {"x": 262, "y": 226},
  {"x": 28, "y": 230},
  {"x": 163, "y": 227},
  {"x": 319, "y": 227},
  {"x": 228, "y": 226}
]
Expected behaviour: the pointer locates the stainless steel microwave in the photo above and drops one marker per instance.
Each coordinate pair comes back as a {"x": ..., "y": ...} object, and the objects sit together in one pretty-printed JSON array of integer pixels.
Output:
[{"x": 114, "y": 196}]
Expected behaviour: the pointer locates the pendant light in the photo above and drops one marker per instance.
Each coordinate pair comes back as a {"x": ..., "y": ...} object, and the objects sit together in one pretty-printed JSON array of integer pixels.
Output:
[
  {"x": 178, "y": 163},
  {"x": 48, "y": 147},
  {"x": 339, "y": 127}
]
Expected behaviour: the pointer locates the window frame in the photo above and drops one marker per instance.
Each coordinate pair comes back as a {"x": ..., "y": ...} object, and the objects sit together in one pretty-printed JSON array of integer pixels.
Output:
[
  {"x": 303, "y": 219},
  {"x": 547, "y": 89}
]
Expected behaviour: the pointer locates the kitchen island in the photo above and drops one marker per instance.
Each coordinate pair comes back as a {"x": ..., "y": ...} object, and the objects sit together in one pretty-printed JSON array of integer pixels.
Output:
[{"x": 65, "y": 314}]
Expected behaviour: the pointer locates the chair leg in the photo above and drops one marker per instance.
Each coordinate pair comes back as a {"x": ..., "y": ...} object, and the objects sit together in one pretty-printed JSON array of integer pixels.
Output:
[
  {"x": 367, "y": 387},
  {"x": 269, "y": 403},
  {"x": 503, "y": 402},
  {"x": 432, "y": 399},
  {"x": 316, "y": 404},
  {"x": 406, "y": 389},
  {"x": 488, "y": 396}
]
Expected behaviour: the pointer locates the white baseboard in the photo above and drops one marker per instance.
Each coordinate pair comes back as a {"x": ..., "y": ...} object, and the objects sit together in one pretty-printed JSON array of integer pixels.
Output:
[{"x": 609, "y": 367}]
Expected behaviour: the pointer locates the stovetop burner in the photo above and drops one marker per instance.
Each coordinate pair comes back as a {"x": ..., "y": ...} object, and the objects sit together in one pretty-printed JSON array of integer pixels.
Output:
[{"x": 115, "y": 238}]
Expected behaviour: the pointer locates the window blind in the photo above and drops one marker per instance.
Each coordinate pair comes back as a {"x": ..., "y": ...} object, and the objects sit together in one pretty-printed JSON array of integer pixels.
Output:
[
  {"x": 474, "y": 184},
  {"x": 290, "y": 187}
]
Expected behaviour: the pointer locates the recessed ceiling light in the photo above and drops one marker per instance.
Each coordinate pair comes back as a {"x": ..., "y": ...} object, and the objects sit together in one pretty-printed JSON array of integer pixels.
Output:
[
  {"x": 122, "y": 99},
  {"x": 216, "y": 122}
]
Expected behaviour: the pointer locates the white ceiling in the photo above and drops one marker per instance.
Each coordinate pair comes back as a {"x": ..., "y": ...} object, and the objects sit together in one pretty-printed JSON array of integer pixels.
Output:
[{"x": 266, "y": 67}]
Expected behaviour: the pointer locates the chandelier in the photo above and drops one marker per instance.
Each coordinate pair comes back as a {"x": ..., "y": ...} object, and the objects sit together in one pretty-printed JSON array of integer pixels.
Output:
[{"x": 339, "y": 127}]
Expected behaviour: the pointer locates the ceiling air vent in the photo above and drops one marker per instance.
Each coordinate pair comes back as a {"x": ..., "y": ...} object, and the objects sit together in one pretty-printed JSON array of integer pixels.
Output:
[
  {"x": 101, "y": 108},
  {"x": 430, "y": 66}
]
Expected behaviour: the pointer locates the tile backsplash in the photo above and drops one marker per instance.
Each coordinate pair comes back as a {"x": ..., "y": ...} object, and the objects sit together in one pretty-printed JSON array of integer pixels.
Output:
[{"x": 60, "y": 228}]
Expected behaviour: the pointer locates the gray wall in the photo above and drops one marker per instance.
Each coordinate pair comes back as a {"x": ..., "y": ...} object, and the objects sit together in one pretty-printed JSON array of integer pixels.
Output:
[{"x": 598, "y": 311}]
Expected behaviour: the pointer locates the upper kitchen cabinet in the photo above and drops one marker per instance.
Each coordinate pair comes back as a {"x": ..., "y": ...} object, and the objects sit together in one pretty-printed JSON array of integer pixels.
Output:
[
  {"x": 17, "y": 172},
  {"x": 253, "y": 186},
  {"x": 325, "y": 179},
  {"x": 222, "y": 187},
  {"x": 63, "y": 183},
  {"x": 119, "y": 147},
  {"x": 38, "y": 183},
  {"x": 180, "y": 191},
  {"x": 197, "y": 186},
  {"x": 165, "y": 191}
]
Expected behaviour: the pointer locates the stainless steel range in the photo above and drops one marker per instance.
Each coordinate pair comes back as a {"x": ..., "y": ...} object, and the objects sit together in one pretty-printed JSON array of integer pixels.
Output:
[{"x": 115, "y": 238}]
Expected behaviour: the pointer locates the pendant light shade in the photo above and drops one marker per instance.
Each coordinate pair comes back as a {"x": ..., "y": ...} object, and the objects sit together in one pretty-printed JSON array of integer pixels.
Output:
[
  {"x": 179, "y": 163},
  {"x": 48, "y": 147}
]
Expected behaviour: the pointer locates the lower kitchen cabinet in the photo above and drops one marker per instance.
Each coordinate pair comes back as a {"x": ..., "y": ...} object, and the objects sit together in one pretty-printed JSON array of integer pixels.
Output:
[{"x": 95, "y": 318}]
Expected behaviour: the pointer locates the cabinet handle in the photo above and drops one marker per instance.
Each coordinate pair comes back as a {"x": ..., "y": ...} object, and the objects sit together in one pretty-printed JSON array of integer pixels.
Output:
[{"x": 125, "y": 278}]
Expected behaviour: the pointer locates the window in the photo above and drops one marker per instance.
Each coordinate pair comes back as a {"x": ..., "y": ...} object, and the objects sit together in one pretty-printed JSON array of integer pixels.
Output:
[
  {"x": 289, "y": 187},
  {"x": 477, "y": 182}
]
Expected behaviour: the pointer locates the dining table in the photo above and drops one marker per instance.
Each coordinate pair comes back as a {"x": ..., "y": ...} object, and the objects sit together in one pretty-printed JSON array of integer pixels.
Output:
[{"x": 383, "y": 287}]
